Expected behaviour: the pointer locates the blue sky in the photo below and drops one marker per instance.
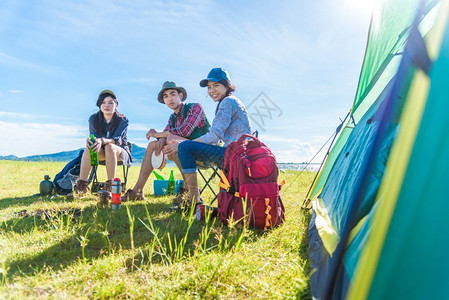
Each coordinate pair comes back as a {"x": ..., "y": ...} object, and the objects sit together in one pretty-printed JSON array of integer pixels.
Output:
[{"x": 56, "y": 56}]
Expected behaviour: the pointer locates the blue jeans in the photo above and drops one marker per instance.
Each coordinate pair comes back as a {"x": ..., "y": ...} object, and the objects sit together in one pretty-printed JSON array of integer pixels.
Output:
[{"x": 189, "y": 152}]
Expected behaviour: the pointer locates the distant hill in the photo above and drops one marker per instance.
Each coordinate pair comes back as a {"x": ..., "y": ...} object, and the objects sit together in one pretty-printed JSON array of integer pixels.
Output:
[{"x": 137, "y": 154}]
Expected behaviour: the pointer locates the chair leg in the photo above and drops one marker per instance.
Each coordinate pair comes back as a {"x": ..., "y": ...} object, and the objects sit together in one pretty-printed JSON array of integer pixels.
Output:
[
  {"x": 125, "y": 177},
  {"x": 94, "y": 179},
  {"x": 96, "y": 185},
  {"x": 208, "y": 181}
]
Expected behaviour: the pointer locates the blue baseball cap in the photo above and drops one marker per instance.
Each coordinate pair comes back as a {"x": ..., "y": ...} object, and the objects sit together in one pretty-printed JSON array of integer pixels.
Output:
[{"x": 216, "y": 75}]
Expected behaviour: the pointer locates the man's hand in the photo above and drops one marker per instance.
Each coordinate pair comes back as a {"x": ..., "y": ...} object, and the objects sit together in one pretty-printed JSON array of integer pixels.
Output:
[
  {"x": 171, "y": 148},
  {"x": 158, "y": 147},
  {"x": 151, "y": 133}
]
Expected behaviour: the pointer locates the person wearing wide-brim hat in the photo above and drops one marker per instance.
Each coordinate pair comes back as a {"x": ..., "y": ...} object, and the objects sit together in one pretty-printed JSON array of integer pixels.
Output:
[
  {"x": 188, "y": 121},
  {"x": 173, "y": 86},
  {"x": 230, "y": 123},
  {"x": 109, "y": 128}
]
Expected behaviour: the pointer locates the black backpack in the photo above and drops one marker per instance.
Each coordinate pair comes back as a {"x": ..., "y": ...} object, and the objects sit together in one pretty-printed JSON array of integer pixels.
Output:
[{"x": 64, "y": 181}]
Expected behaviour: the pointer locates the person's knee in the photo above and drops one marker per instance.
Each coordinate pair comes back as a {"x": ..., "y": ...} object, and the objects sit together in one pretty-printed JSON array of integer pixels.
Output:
[
  {"x": 184, "y": 147},
  {"x": 150, "y": 147},
  {"x": 109, "y": 149}
]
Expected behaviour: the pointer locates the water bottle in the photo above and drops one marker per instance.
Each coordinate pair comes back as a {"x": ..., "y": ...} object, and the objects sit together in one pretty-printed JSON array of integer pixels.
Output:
[
  {"x": 158, "y": 176},
  {"x": 92, "y": 153},
  {"x": 171, "y": 184},
  {"x": 46, "y": 186},
  {"x": 116, "y": 191}
]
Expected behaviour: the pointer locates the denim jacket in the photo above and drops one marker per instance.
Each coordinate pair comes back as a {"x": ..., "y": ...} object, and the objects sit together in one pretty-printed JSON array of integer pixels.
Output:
[{"x": 230, "y": 123}]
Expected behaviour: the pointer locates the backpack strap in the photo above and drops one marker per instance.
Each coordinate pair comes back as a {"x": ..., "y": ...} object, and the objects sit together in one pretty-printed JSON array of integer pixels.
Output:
[
  {"x": 244, "y": 136},
  {"x": 224, "y": 182},
  {"x": 268, "y": 222}
]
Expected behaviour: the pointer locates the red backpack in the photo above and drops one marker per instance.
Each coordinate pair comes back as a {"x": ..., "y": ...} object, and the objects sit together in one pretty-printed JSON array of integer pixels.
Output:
[{"x": 250, "y": 172}]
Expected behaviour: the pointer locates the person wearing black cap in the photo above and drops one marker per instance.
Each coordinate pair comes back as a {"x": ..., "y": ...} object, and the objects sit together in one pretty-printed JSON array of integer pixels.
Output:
[
  {"x": 109, "y": 128},
  {"x": 230, "y": 123},
  {"x": 188, "y": 121}
]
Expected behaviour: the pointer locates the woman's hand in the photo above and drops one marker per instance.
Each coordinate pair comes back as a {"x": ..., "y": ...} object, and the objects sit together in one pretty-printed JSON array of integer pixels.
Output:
[
  {"x": 96, "y": 146},
  {"x": 89, "y": 144},
  {"x": 151, "y": 133},
  {"x": 171, "y": 148}
]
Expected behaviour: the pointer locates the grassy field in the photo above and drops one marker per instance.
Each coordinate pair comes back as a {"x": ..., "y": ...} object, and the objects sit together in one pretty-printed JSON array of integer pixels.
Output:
[{"x": 59, "y": 248}]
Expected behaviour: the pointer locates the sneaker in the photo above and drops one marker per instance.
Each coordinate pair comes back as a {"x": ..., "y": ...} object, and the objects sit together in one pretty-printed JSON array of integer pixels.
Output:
[
  {"x": 181, "y": 203},
  {"x": 131, "y": 195},
  {"x": 182, "y": 191},
  {"x": 180, "y": 196}
]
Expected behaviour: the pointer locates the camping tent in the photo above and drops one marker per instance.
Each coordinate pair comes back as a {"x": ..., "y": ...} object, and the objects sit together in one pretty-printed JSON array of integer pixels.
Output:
[{"x": 378, "y": 222}]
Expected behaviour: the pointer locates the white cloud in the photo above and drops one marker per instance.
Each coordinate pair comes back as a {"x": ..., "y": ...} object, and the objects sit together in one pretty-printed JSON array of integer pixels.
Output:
[
  {"x": 23, "y": 139},
  {"x": 14, "y": 61},
  {"x": 15, "y": 115},
  {"x": 278, "y": 139},
  {"x": 138, "y": 127},
  {"x": 287, "y": 149},
  {"x": 15, "y": 91}
]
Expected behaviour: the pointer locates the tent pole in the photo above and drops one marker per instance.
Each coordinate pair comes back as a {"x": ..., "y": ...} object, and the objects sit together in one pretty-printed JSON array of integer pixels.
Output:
[{"x": 307, "y": 200}]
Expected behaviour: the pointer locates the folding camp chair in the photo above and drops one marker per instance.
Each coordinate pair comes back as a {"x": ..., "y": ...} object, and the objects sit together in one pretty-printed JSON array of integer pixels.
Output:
[
  {"x": 215, "y": 172},
  {"x": 97, "y": 185},
  {"x": 207, "y": 181}
]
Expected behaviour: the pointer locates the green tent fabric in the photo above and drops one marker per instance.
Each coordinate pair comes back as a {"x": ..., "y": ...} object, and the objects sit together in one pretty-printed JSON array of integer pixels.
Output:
[
  {"x": 397, "y": 247},
  {"x": 388, "y": 34},
  {"x": 386, "y": 41},
  {"x": 413, "y": 242}
]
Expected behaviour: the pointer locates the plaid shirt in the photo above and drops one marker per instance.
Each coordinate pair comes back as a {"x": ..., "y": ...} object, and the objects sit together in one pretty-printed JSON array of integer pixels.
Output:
[{"x": 184, "y": 127}]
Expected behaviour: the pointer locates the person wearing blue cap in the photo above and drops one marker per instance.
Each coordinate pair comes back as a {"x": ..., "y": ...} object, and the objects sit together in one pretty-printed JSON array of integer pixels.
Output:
[
  {"x": 109, "y": 127},
  {"x": 230, "y": 123}
]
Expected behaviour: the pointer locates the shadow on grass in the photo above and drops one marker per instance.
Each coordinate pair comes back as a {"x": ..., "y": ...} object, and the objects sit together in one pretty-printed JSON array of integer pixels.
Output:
[
  {"x": 105, "y": 231},
  {"x": 9, "y": 202},
  {"x": 26, "y": 201}
]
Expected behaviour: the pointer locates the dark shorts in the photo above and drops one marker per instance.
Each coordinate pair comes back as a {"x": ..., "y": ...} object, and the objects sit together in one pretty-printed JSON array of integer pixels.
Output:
[{"x": 125, "y": 157}]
